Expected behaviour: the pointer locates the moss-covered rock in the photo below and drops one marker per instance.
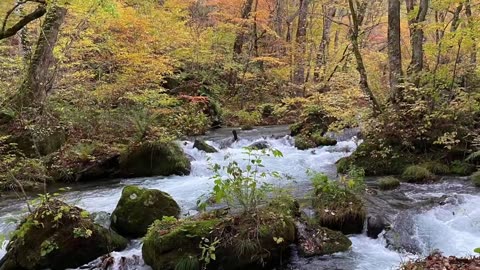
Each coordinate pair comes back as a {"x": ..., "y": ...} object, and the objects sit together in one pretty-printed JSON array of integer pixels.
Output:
[
  {"x": 59, "y": 236},
  {"x": 168, "y": 243},
  {"x": 138, "y": 208},
  {"x": 315, "y": 240},
  {"x": 244, "y": 241},
  {"x": 417, "y": 174},
  {"x": 203, "y": 146},
  {"x": 436, "y": 167},
  {"x": 304, "y": 143},
  {"x": 375, "y": 160},
  {"x": 476, "y": 179},
  {"x": 344, "y": 213},
  {"x": 462, "y": 168},
  {"x": 321, "y": 140},
  {"x": 150, "y": 159},
  {"x": 388, "y": 183}
]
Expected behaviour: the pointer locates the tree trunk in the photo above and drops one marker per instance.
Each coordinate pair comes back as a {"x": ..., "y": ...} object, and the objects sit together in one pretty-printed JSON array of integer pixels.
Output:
[
  {"x": 471, "y": 23},
  {"x": 301, "y": 43},
  {"x": 240, "y": 39},
  {"x": 394, "y": 49},
  {"x": 357, "y": 20},
  {"x": 417, "y": 35},
  {"x": 39, "y": 77},
  {"x": 279, "y": 17},
  {"x": 322, "y": 55}
]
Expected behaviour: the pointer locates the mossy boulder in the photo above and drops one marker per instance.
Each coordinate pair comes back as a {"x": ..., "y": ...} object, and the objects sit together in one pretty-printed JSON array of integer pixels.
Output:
[
  {"x": 245, "y": 241},
  {"x": 314, "y": 240},
  {"x": 169, "y": 243},
  {"x": 321, "y": 140},
  {"x": 476, "y": 179},
  {"x": 375, "y": 161},
  {"x": 138, "y": 208},
  {"x": 152, "y": 159},
  {"x": 59, "y": 236},
  {"x": 304, "y": 143},
  {"x": 417, "y": 174},
  {"x": 32, "y": 146},
  {"x": 203, "y": 146},
  {"x": 342, "y": 213},
  {"x": 462, "y": 168},
  {"x": 388, "y": 183}
]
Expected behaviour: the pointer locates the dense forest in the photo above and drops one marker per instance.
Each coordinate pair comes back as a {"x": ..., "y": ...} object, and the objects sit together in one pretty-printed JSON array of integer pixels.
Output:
[{"x": 92, "y": 90}]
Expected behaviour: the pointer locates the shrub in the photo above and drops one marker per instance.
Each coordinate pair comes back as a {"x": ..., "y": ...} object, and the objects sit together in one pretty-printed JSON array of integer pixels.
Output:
[
  {"x": 461, "y": 168},
  {"x": 417, "y": 174},
  {"x": 476, "y": 179},
  {"x": 388, "y": 183},
  {"x": 436, "y": 167},
  {"x": 303, "y": 143}
]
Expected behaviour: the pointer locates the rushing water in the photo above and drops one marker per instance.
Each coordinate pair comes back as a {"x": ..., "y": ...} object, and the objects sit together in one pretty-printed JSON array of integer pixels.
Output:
[{"x": 454, "y": 227}]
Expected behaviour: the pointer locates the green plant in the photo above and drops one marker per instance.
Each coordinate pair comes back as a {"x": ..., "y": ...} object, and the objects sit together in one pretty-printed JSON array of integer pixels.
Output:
[
  {"x": 352, "y": 182},
  {"x": 388, "y": 183},
  {"x": 84, "y": 151},
  {"x": 477, "y": 250},
  {"x": 208, "y": 248},
  {"x": 476, "y": 179},
  {"x": 82, "y": 233},
  {"x": 188, "y": 263},
  {"x": 244, "y": 185},
  {"x": 47, "y": 247},
  {"x": 417, "y": 174},
  {"x": 248, "y": 119},
  {"x": 436, "y": 167}
]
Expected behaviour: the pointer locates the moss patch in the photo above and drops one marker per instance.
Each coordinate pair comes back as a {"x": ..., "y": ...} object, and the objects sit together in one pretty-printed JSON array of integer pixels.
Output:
[
  {"x": 150, "y": 159},
  {"x": 388, "y": 183},
  {"x": 476, "y": 179},
  {"x": 203, "y": 146},
  {"x": 417, "y": 174},
  {"x": 436, "y": 167},
  {"x": 138, "y": 208},
  {"x": 314, "y": 240},
  {"x": 346, "y": 214},
  {"x": 462, "y": 168},
  {"x": 59, "y": 236}
]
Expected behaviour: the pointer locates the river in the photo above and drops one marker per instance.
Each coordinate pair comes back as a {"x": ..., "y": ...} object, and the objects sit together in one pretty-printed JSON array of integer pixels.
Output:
[{"x": 450, "y": 222}]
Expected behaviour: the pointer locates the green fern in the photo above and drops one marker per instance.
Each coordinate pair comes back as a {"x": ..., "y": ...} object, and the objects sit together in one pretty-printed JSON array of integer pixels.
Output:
[{"x": 473, "y": 156}]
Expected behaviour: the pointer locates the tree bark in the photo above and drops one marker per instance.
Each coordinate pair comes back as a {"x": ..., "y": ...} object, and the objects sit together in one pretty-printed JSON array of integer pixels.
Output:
[
  {"x": 301, "y": 46},
  {"x": 322, "y": 54},
  {"x": 471, "y": 23},
  {"x": 240, "y": 39},
  {"x": 417, "y": 35},
  {"x": 39, "y": 78},
  {"x": 279, "y": 17},
  {"x": 394, "y": 49},
  {"x": 357, "y": 20}
]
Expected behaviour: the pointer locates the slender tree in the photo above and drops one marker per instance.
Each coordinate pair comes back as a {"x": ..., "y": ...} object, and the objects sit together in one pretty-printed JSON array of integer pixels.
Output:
[
  {"x": 240, "y": 39},
  {"x": 322, "y": 54},
  {"x": 301, "y": 43},
  {"x": 357, "y": 15},
  {"x": 394, "y": 49},
  {"x": 416, "y": 33}
]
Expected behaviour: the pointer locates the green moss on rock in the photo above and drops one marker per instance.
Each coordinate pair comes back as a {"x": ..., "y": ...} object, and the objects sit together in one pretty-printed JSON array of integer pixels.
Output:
[
  {"x": 344, "y": 213},
  {"x": 388, "y": 183},
  {"x": 374, "y": 160},
  {"x": 417, "y": 174},
  {"x": 167, "y": 243},
  {"x": 138, "y": 208},
  {"x": 150, "y": 159},
  {"x": 436, "y": 167},
  {"x": 304, "y": 143},
  {"x": 321, "y": 140},
  {"x": 461, "y": 168},
  {"x": 59, "y": 236},
  {"x": 476, "y": 178},
  {"x": 203, "y": 146},
  {"x": 315, "y": 240}
]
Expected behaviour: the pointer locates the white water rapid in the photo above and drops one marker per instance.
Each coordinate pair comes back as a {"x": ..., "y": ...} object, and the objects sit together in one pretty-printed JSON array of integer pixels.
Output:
[{"x": 452, "y": 228}]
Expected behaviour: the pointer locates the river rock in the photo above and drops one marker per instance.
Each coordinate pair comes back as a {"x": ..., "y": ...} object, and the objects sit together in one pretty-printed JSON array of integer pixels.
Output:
[
  {"x": 203, "y": 146},
  {"x": 316, "y": 240},
  {"x": 259, "y": 145},
  {"x": 138, "y": 208},
  {"x": 59, "y": 236},
  {"x": 375, "y": 225},
  {"x": 151, "y": 159},
  {"x": 245, "y": 241},
  {"x": 345, "y": 214}
]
